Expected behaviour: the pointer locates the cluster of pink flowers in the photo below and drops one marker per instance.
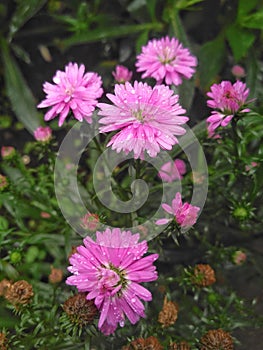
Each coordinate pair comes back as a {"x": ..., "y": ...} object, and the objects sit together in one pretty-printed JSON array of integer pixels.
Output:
[
  {"x": 184, "y": 214},
  {"x": 148, "y": 119},
  {"x": 226, "y": 100},
  {"x": 73, "y": 90},
  {"x": 173, "y": 170},
  {"x": 110, "y": 271}
]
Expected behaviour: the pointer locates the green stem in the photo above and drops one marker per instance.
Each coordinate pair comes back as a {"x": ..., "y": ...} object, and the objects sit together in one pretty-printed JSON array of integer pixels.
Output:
[
  {"x": 236, "y": 141},
  {"x": 87, "y": 343}
]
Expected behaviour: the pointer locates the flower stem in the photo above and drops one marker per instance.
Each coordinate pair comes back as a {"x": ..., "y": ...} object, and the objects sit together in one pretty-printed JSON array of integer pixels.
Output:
[{"x": 87, "y": 343}]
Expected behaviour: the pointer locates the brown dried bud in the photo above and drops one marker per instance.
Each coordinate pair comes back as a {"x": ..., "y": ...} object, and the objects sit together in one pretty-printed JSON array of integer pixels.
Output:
[
  {"x": 217, "y": 340},
  {"x": 203, "y": 275},
  {"x": 4, "y": 285},
  {"x": 3, "y": 342},
  {"x": 150, "y": 343},
  {"x": 80, "y": 310},
  {"x": 183, "y": 345},
  {"x": 56, "y": 275},
  {"x": 73, "y": 251},
  {"x": 19, "y": 292},
  {"x": 169, "y": 313}
]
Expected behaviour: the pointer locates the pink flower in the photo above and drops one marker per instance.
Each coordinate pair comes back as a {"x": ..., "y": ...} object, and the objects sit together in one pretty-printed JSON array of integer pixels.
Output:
[
  {"x": 227, "y": 100},
  {"x": 251, "y": 166},
  {"x": 166, "y": 59},
  {"x": 147, "y": 118},
  {"x": 73, "y": 90},
  {"x": 122, "y": 74},
  {"x": 238, "y": 71},
  {"x": 110, "y": 271},
  {"x": 45, "y": 215},
  {"x": 7, "y": 152},
  {"x": 90, "y": 222},
  {"x": 184, "y": 214},
  {"x": 43, "y": 134},
  {"x": 171, "y": 171},
  {"x": 239, "y": 257}
]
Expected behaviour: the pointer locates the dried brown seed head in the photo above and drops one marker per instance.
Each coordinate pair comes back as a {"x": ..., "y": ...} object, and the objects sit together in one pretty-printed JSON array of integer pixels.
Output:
[
  {"x": 183, "y": 345},
  {"x": 168, "y": 315},
  {"x": 151, "y": 343},
  {"x": 4, "y": 285},
  {"x": 19, "y": 293},
  {"x": 80, "y": 310},
  {"x": 203, "y": 275},
  {"x": 217, "y": 339},
  {"x": 56, "y": 275}
]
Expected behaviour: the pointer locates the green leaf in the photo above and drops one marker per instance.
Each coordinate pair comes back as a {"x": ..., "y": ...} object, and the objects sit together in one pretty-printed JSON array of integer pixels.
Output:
[
  {"x": 184, "y": 4},
  {"x": 115, "y": 32},
  {"x": 211, "y": 59},
  {"x": 151, "y": 5},
  {"x": 253, "y": 21},
  {"x": 240, "y": 40},
  {"x": 141, "y": 40},
  {"x": 245, "y": 6},
  {"x": 24, "y": 11},
  {"x": 254, "y": 75},
  {"x": 136, "y": 5},
  {"x": 186, "y": 92},
  {"x": 22, "y": 100}
]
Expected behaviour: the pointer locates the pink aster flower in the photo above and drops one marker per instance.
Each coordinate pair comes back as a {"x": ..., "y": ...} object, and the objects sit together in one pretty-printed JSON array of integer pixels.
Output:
[
  {"x": 43, "y": 134},
  {"x": 122, "y": 74},
  {"x": 90, "y": 222},
  {"x": 110, "y": 271},
  {"x": 185, "y": 214},
  {"x": 166, "y": 59},
  {"x": 238, "y": 71},
  {"x": 73, "y": 90},
  {"x": 173, "y": 170},
  {"x": 7, "y": 152},
  {"x": 147, "y": 118},
  {"x": 227, "y": 100}
]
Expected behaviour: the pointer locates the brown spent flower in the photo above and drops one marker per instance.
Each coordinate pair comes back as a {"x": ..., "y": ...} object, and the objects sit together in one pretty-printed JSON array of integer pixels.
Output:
[
  {"x": 183, "y": 345},
  {"x": 4, "y": 285},
  {"x": 203, "y": 275},
  {"x": 80, "y": 310},
  {"x": 3, "y": 182},
  {"x": 217, "y": 339},
  {"x": 150, "y": 343},
  {"x": 19, "y": 293},
  {"x": 73, "y": 251},
  {"x": 56, "y": 275},
  {"x": 168, "y": 315},
  {"x": 3, "y": 341}
]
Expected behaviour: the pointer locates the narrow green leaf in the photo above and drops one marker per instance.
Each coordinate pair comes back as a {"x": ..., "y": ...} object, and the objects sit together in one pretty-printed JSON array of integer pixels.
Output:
[
  {"x": 151, "y": 5},
  {"x": 136, "y": 5},
  {"x": 184, "y": 4},
  {"x": 22, "y": 100},
  {"x": 186, "y": 92},
  {"x": 254, "y": 21},
  {"x": 254, "y": 75},
  {"x": 211, "y": 59},
  {"x": 141, "y": 40},
  {"x": 245, "y": 6},
  {"x": 240, "y": 40},
  {"x": 24, "y": 11},
  {"x": 115, "y": 32}
]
